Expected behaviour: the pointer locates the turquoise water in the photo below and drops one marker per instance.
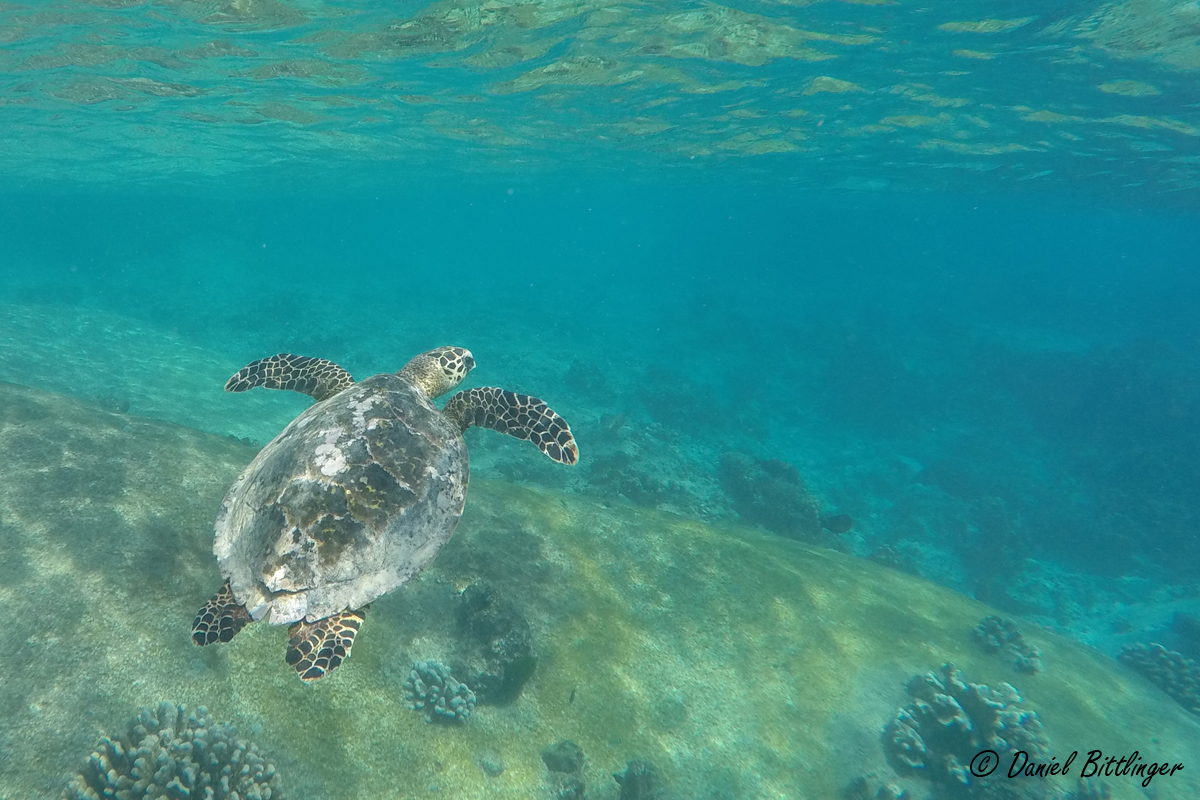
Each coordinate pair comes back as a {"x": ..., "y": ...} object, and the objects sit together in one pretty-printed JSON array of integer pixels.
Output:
[
  {"x": 913, "y": 283},
  {"x": 871, "y": 95}
]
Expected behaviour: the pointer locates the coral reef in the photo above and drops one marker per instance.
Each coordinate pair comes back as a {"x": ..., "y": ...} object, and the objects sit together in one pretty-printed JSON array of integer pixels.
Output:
[
  {"x": 950, "y": 720},
  {"x": 430, "y": 687},
  {"x": 1001, "y": 634},
  {"x": 640, "y": 781},
  {"x": 167, "y": 753},
  {"x": 505, "y": 658},
  {"x": 1170, "y": 671},
  {"x": 770, "y": 494}
]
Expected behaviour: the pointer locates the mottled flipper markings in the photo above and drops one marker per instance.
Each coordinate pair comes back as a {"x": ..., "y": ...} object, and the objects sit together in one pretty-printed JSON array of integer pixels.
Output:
[
  {"x": 315, "y": 377},
  {"x": 220, "y": 619},
  {"x": 518, "y": 415},
  {"x": 315, "y": 649}
]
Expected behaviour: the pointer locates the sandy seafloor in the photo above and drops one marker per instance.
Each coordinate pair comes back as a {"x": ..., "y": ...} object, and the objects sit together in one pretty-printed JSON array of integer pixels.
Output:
[{"x": 742, "y": 664}]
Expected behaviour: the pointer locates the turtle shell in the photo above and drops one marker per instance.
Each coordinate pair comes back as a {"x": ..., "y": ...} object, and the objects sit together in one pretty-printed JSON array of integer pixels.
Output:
[{"x": 352, "y": 499}]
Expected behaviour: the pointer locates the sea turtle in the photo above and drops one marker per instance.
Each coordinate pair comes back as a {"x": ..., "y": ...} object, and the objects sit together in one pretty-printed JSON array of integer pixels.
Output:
[{"x": 354, "y": 497}]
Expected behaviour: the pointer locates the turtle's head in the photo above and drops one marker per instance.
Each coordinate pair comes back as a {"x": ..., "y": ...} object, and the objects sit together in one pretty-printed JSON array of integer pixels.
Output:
[{"x": 439, "y": 370}]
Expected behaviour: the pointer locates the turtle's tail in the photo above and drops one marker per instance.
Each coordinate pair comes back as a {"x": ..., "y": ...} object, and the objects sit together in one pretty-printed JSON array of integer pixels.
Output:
[{"x": 220, "y": 619}]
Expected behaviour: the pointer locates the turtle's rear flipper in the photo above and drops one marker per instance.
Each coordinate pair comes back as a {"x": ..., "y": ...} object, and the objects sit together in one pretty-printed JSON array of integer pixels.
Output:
[
  {"x": 315, "y": 649},
  {"x": 220, "y": 619},
  {"x": 517, "y": 415},
  {"x": 314, "y": 377}
]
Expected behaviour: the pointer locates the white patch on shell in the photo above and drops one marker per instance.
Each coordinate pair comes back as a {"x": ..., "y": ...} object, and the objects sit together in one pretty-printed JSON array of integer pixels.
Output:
[
  {"x": 287, "y": 548},
  {"x": 330, "y": 459},
  {"x": 276, "y": 580},
  {"x": 284, "y": 609},
  {"x": 359, "y": 410}
]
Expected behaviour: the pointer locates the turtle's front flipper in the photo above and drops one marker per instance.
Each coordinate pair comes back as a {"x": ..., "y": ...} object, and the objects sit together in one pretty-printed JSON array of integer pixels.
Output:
[
  {"x": 314, "y": 377},
  {"x": 220, "y": 619},
  {"x": 315, "y": 649},
  {"x": 517, "y": 415}
]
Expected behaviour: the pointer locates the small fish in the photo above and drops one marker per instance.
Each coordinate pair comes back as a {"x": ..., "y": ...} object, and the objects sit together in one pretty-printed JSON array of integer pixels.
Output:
[{"x": 571, "y": 699}]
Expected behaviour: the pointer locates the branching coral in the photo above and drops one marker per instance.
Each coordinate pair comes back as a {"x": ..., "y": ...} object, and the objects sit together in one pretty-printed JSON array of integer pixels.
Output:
[
  {"x": 997, "y": 633},
  {"x": 431, "y": 688},
  {"x": 949, "y": 721},
  {"x": 167, "y": 754},
  {"x": 1170, "y": 671}
]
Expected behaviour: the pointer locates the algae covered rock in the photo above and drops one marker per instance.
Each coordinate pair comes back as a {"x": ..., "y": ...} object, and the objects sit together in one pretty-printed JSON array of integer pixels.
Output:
[
  {"x": 566, "y": 756},
  {"x": 640, "y": 781},
  {"x": 170, "y": 754},
  {"x": 564, "y": 761},
  {"x": 497, "y": 629}
]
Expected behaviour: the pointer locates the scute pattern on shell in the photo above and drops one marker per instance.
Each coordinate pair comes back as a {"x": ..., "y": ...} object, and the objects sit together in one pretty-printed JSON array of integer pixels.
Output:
[{"x": 354, "y": 497}]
